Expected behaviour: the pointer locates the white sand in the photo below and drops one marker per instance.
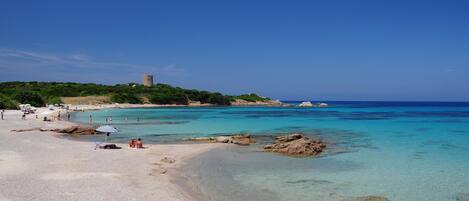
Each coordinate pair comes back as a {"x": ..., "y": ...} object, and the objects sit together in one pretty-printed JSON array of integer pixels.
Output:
[{"x": 40, "y": 166}]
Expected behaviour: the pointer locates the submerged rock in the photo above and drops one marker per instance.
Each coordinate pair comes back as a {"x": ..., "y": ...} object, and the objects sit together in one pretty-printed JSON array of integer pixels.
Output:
[
  {"x": 368, "y": 198},
  {"x": 242, "y": 140},
  {"x": 296, "y": 145},
  {"x": 235, "y": 139},
  {"x": 202, "y": 139}
]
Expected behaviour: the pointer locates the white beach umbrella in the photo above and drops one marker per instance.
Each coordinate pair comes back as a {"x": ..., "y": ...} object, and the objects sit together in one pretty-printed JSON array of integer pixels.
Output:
[
  {"x": 107, "y": 129},
  {"x": 47, "y": 112}
]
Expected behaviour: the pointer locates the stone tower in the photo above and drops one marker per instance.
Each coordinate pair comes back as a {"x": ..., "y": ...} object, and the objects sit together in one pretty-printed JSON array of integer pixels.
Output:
[{"x": 147, "y": 80}]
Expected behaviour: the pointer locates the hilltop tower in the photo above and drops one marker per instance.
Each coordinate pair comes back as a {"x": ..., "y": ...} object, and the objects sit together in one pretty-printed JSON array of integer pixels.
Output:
[{"x": 147, "y": 80}]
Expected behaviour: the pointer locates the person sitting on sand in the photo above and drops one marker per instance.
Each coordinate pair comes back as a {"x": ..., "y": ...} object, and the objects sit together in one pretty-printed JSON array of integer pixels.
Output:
[
  {"x": 139, "y": 143},
  {"x": 132, "y": 143}
]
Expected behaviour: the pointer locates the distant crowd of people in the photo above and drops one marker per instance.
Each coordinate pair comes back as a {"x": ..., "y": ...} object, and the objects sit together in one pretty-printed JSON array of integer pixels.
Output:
[{"x": 108, "y": 119}]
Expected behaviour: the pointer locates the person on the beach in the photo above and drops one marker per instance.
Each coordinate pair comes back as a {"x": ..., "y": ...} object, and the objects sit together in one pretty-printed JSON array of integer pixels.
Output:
[
  {"x": 68, "y": 116},
  {"x": 132, "y": 143},
  {"x": 58, "y": 116},
  {"x": 2, "y": 114},
  {"x": 139, "y": 143},
  {"x": 23, "y": 117}
]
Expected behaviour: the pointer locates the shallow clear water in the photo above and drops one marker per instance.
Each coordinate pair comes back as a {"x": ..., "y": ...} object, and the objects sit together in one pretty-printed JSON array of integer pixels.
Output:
[{"x": 403, "y": 151}]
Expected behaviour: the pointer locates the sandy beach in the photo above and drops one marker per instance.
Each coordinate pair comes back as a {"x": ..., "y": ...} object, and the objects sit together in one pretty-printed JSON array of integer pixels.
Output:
[{"x": 43, "y": 166}]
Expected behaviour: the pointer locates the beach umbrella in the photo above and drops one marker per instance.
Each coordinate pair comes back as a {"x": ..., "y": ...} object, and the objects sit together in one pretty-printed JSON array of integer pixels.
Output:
[
  {"x": 107, "y": 129},
  {"x": 47, "y": 113}
]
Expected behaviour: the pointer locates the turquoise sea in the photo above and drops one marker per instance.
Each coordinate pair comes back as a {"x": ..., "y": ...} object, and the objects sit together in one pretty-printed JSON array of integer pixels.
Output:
[{"x": 406, "y": 151}]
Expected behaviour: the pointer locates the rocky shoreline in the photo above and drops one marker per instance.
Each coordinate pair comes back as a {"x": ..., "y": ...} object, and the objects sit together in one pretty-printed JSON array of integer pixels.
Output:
[
  {"x": 296, "y": 145},
  {"x": 240, "y": 102}
]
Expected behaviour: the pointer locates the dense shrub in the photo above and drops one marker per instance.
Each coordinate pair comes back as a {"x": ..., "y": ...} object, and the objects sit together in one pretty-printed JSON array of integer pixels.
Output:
[
  {"x": 7, "y": 103},
  {"x": 125, "y": 98},
  {"x": 166, "y": 98},
  {"x": 120, "y": 93},
  {"x": 252, "y": 97},
  {"x": 52, "y": 100},
  {"x": 28, "y": 97}
]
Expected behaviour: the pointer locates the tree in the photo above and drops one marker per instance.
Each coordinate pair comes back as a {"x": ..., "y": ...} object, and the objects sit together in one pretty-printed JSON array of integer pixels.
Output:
[
  {"x": 7, "y": 103},
  {"x": 28, "y": 97},
  {"x": 125, "y": 98}
]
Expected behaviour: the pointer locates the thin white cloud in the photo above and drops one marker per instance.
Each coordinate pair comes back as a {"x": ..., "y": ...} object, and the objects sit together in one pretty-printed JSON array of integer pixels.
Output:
[
  {"x": 28, "y": 55},
  {"x": 450, "y": 70},
  {"x": 172, "y": 70},
  {"x": 11, "y": 58}
]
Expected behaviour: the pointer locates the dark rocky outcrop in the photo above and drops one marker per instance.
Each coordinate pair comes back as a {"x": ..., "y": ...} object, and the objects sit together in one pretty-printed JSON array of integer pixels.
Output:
[
  {"x": 77, "y": 130},
  {"x": 368, "y": 198},
  {"x": 296, "y": 145},
  {"x": 27, "y": 129},
  {"x": 73, "y": 130},
  {"x": 235, "y": 139}
]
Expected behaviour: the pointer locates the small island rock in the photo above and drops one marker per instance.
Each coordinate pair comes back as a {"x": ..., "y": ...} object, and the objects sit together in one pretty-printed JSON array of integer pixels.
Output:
[
  {"x": 306, "y": 104},
  {"x": 296, "y": 145}
]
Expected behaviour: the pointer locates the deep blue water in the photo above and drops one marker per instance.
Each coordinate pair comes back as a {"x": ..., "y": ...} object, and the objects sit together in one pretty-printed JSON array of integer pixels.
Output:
[{"x": 411, "y": 151}]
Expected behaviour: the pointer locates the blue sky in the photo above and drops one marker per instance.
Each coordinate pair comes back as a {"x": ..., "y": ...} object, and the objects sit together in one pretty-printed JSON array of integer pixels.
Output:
[{"x": 329, "y": 50}]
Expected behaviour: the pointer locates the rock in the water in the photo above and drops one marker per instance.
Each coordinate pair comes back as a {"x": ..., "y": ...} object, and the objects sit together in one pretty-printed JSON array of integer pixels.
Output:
[
  {"x": 296, "y": 145},
  {"x": 306, "y": 104},
  {"x": 222, "y": 139},
  {"x": 242, "y": 140},
  {"x": 368, "y": 198},
  {"x": 202, "y": 139},
  {"x": 235, "y": 139},
  {"x": 288, "y": 138}
]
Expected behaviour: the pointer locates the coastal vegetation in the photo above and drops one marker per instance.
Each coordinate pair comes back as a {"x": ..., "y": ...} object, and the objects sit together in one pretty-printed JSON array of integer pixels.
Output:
[
  {"x": 41, "y": 93},
  {"x": 7, "y": 103},
  {"x": 252, "y": 97}
]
